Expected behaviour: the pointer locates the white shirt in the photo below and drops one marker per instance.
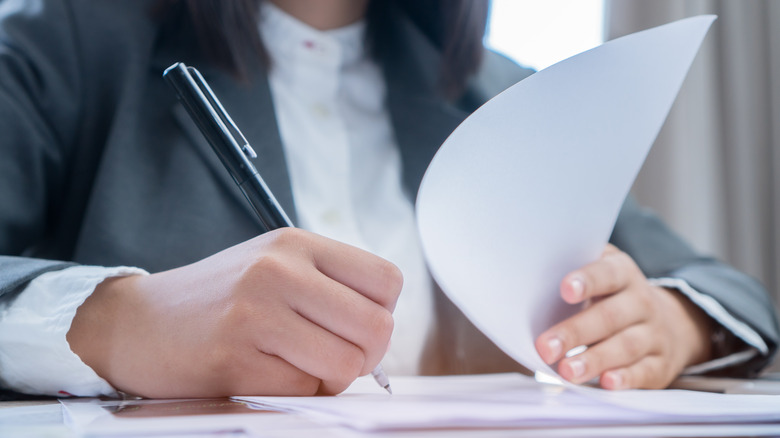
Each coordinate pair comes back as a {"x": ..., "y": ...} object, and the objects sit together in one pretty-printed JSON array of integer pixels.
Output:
[
  {"x": 345, "y": 172},
  {"x": 345, "y": 167}
]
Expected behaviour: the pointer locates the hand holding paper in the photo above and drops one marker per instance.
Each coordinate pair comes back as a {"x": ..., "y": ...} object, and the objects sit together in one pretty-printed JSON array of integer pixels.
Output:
[{"x": 644, "y": 335}]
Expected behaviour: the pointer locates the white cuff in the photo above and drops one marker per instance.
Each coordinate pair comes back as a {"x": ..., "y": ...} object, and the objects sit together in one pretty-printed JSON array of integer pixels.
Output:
[
  {"x": 719, "y": 313},
  {"x": 35, "y": 356}
]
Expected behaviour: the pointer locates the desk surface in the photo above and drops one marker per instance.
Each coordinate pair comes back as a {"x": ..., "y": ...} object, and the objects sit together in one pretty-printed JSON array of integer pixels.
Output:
[
  {"x": 23, "y": 403},
  {"x": 44, "y": 419}
]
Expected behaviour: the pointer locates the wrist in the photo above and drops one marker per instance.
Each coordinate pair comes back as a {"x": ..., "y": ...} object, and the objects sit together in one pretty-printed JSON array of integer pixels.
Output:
[
  {"x": 696, "y": 329},
  {"x": 97, "y": 327}
]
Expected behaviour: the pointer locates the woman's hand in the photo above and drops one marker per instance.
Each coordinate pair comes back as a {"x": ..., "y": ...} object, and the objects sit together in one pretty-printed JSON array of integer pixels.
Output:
[
  {"x": 639, "y": 336},
  {"x": 286, "y": 313}
]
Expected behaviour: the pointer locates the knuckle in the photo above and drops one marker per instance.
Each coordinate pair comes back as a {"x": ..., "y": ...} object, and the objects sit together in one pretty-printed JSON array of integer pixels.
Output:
[
  {"x": 627, "y": 265},
  {"x": 621, "y": 258},
  {"x": 611, "y": 272},
  {"x": 350, "y": 366},
  {"x": 648, "y": 373},
  {"x": 238, "y": 313},
  {"x": 647, "y": 300},
  {"x": 381, "y": 325},
  {"x": 266, "y": 269},
  {"x": 286, "y": 237},
  {"x": 272, "y": 341},
  {"x": 652, "y": 376}
]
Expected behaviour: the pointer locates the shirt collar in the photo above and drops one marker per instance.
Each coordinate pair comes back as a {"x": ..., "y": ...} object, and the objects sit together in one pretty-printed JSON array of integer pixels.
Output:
[{"x": 284, "y": 35}]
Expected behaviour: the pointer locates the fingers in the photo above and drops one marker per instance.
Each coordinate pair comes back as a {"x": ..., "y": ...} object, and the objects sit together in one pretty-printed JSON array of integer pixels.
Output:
[
  {"x": 314, "y": 351},
  {"x": 286, "y": 313},
  {"x": 594, "y": 324},
  {"x": 648, "y": 373},
  {"x": 613, "y": 272},
  {"x": 321, "y": 306},
  {"x": 349, "y": 292},
  {"x": 624, "y": 325},
  {"x": 372, "y": 276},
  {"x": 260, "y": 373},
  {"x": 621, "y": 350},
  {"x": 349, "y": 315}
]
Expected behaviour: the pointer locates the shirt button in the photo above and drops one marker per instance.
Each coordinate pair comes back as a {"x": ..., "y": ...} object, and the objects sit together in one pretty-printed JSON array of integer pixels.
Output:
[{"x": 331, "y": 217}]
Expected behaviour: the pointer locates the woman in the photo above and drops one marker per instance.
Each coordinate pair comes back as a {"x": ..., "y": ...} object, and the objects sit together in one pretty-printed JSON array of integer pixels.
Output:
[{"x": 345, "y": 102}]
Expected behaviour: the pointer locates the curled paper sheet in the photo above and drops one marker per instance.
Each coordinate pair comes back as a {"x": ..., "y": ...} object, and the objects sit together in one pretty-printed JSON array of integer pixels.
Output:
[{"x": 528, "y": 188}]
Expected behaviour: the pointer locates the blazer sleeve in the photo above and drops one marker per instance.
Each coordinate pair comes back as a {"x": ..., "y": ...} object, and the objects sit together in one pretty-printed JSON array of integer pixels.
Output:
[
  {"x": 40, "y": 105},
  {"x": 659, "y": 252}
]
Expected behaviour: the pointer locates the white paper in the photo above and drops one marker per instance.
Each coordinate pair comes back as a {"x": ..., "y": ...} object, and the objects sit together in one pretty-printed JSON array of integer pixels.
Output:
[
  {"x": 453, "y": 401},
  {"x": 528, "y": 188},
  {"x": 514, "y": 400}
]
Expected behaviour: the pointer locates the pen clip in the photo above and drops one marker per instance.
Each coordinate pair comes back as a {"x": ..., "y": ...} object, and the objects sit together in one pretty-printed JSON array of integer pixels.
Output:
[{"x": 221, "y": 113}]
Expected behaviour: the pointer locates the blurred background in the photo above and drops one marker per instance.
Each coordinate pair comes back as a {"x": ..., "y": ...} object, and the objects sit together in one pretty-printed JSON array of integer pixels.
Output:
[{"x": 714, "y": 172}]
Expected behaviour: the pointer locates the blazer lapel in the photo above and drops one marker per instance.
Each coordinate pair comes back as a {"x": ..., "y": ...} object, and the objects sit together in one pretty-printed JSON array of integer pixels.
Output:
[
  {"x": 421, "y": 117},
  {"x": 250, "y": 105}
]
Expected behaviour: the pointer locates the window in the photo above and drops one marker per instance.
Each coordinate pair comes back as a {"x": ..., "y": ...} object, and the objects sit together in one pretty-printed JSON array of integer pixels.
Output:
[{"x": 539, "y": 33}]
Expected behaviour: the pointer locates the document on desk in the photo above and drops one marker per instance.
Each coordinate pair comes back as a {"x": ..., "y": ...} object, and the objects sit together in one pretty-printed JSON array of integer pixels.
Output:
[
  {"x": 514, "y": 400},
  {"x": 525, "y": 190}
]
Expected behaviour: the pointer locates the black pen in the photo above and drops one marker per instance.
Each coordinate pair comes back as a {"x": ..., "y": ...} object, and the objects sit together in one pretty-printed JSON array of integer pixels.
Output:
[
  {"x": 227, "y": 141},
  {"x": 234, "y": 151}
]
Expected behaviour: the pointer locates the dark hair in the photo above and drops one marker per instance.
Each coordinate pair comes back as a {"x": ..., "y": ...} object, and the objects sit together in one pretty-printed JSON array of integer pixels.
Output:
[{"x": 227, "y": 32}]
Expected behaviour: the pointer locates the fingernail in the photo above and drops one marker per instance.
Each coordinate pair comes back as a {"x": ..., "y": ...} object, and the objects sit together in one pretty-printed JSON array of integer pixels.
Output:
[
  {"x": 555, "y": 346},
  {"x": 577, "y": 367},
  {"x": 577, "y": 288},
  {"x": 614, "y": 380}
]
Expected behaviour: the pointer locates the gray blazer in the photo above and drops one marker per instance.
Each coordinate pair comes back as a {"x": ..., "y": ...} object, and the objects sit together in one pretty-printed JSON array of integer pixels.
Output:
[{"x": 100, "y": 165}]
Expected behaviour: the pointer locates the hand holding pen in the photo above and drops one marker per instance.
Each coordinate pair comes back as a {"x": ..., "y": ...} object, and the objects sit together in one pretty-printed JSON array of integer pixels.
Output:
[
  {"x": 235, "y": 153},
  {"x": 285, "y": 313}
]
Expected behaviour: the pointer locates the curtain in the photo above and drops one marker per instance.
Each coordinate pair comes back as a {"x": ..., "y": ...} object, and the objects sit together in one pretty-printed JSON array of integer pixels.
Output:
[{"x": 714, "y": 172}]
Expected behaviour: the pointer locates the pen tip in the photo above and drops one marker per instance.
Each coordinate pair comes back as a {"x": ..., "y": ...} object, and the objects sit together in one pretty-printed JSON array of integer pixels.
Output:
[{"x": 387, "y": 387}]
